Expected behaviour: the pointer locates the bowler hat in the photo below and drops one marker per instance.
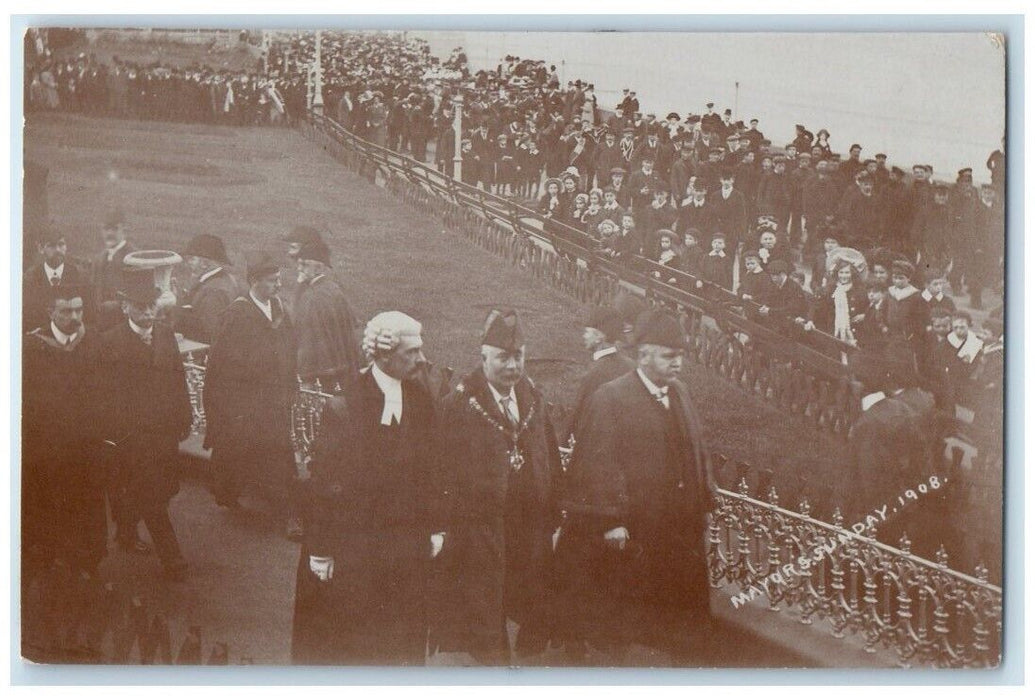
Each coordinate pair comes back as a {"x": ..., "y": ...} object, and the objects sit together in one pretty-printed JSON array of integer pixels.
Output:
[
  {"x": 302, "y": 235},
  {"x": 657, "y": 327},
  {"x": 138, "y": 285},
  {"x": 205, "y": 245},
  {"x": 606, "y": 320},
  {"x": 503, "y": 330},
  {"x": 315, "y": 250}
]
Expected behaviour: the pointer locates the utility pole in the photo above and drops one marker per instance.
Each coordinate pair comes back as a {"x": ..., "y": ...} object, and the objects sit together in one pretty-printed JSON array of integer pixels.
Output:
[
  {"x": 458, "y": 115},
  {"x": 736, "y": 100},
  {"x": 318, "y": 80}
]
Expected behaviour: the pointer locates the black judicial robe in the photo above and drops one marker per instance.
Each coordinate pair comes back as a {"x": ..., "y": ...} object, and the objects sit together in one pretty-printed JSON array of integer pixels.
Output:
[{"x": 376, "y": 498}]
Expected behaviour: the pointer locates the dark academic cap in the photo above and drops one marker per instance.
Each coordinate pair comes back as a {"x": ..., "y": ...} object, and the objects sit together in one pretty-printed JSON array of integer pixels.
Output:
[
  {"x": 657, "y": 327},
  {"x": 503, "y": 330},
  {"x": 895, "y": 170},
  {"x": 114, "y": 218},
  {"x": 315, "y": 250},
  {"x": 940, "y": 187},
  {"x": 617, "y": 171},
  {"x": 647, "y": 158},
  {"x": 672, "y": 115},
  {"x": 606, "y": 320},
  {"x": 261, "y": 265},
  {"x": 753, "y": 121},
  {"x": 965, "y": 171},
  {"x": 778, "y": 267},
  {"x": 710, "y": 105},
  {"x": 138, "y": 285},
  {"x": 205, "y": 245},
  {"x": 854, "y": 146},
  {"x": 881, "y": 156}
]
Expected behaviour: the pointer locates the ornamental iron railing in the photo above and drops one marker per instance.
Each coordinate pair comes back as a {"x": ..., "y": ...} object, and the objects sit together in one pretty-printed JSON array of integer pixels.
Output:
[{"x": 924, "y": 611}]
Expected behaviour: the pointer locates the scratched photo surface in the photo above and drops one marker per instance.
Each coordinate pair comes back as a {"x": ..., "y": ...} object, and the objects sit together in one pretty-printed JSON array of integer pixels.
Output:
[{"x": 457, "y": 348}]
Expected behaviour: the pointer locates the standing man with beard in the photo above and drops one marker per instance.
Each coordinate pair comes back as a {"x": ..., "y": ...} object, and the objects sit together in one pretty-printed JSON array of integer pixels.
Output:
[
  {"x": 145, "y": 413},
  {"x": 638, "y": 493},
  {"x": 500, "y": 443},
  {"x": 250, "y": 385},
  {"x": 379, "y": 510},
  {"x": 328, "y": 350}
]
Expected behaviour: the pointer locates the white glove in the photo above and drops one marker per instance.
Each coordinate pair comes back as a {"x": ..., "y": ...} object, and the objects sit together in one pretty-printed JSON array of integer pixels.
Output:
[
  {"x": 616, "y": 538},
  {"x": 437, "y": 540},
  {"x": 323, "y": 567}
]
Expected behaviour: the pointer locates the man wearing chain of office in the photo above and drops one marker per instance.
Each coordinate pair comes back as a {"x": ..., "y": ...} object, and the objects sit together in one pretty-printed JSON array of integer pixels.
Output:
[{"x": 502, "y": 449}]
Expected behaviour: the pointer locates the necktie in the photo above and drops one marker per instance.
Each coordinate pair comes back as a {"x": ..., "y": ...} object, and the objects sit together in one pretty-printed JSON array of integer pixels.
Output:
[
  {"x": 505, "y": 405},
  {"x": 146, "y": 337},
  {"x": 55, "y": 281},
  {"x": 661, "y": 396}
]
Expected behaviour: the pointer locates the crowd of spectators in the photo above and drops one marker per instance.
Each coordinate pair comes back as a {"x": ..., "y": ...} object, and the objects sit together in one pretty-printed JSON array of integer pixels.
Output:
[{"x": 846, "y": 245}]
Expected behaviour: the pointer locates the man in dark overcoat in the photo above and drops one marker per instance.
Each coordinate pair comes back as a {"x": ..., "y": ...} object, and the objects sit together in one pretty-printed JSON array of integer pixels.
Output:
[
  {"x": 214, "y": 288},
  {"x": 377, "y": 513},
  {"x": 326, "y": 327},
  {"x": 600, "y": 335},
  {"x": 499, "y": 440},
  {"x": 637, "y": 495},
  {"x": 145, "y": 410},
  {"x": 63, "y": 512},
  {"x": 250, "y": 385}
]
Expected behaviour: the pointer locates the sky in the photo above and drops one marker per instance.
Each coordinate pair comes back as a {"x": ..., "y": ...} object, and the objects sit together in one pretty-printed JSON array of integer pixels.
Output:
[{"x": 934, "y": 98}]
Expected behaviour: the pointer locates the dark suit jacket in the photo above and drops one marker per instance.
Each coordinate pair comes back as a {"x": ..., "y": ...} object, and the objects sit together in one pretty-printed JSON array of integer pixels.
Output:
[
  {"x": 208, "y": 302},
  {"x": 602, "y": 371}
]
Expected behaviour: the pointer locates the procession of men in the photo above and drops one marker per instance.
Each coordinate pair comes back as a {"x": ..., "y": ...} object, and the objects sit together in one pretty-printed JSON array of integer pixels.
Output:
[
  {"x": 427, "y": 522},
  {"x": 468, "y": 516}
]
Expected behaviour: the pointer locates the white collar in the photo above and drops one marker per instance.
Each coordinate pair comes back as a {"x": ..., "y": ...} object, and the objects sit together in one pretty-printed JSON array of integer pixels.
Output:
[
  {"x": 53, "y": 272},
  {"x": 604, "y": 352},
  {"x": 210, "y": 274},
  {"x": 265, "y": 307},
  {"x": 61, "y": 337},
  {"x": 496, "y": 396},
  {"x": 900, "y": 294},
  {"x": 726, "y": 193},
  {"x": 870, "y": 399},
  {"x": 717, "y": 254},
  {"x": 314, "y": 280},
  {"x": 142, "y": 332},
  {"x": 653, "y": 388},
  {"x": 392, "y": 389},
  {"x": 968, "y": 348},
  {"x": 928, "y": 296}
]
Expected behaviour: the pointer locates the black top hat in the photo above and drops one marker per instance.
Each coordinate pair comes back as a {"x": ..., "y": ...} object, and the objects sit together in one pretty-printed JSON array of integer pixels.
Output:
[
  {"x": 138, "y": 285},
  {"x": 205, "y": 245}
]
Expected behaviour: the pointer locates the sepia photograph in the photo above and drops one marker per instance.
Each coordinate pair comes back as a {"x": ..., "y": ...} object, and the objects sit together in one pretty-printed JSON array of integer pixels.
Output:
[{"x": 490, "y": 349}]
